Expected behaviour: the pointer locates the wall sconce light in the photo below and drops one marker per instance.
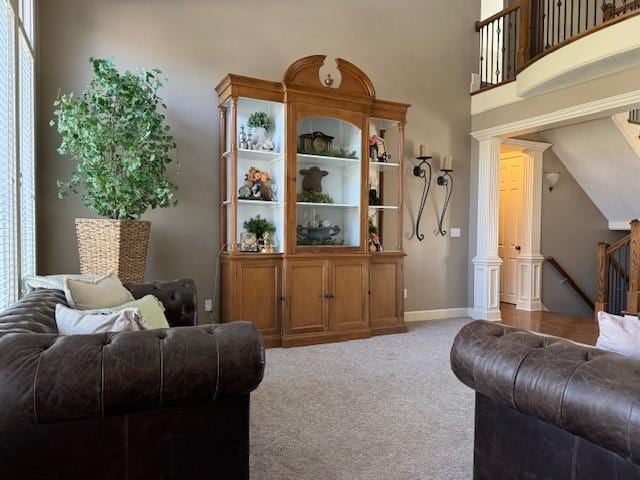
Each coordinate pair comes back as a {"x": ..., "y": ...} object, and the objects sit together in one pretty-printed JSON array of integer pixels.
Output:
[
  {"x": 445, "y": 180},
  {"x": 552, "y": 179},
  {"x": 420, "y": 172}
]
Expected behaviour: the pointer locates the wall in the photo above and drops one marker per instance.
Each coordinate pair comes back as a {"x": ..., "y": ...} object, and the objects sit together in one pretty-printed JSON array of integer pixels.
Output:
[
  {"x": 572, "y": 226},
  {"x": 416, "y": 52}
]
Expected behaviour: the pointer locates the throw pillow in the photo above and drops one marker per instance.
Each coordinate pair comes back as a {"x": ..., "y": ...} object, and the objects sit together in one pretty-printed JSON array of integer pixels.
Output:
[
  {"x": 55, "y": 282},
  {"x": 619, "y": 334},
  {"x": 104, "y": 292},
  {"x": 151, "y": 312},
  {"x": 86, "y": 322}
]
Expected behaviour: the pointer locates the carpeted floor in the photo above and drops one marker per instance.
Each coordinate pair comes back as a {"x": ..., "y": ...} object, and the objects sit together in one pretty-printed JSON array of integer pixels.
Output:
[{"x": 386, "y": 408}]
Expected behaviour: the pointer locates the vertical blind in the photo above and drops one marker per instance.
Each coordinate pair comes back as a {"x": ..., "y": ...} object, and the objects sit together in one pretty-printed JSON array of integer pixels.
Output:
[{"x": 17, "y": 150}]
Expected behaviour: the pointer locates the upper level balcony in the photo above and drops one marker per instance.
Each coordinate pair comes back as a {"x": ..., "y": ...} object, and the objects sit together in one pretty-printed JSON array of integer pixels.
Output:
[{"x": 538, "y": 46}]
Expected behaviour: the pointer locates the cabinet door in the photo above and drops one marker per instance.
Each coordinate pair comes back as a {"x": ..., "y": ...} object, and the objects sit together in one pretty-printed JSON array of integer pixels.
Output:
[
  {"x": 348, "y": 297},
  {"x": 259, "y": 295},
  {"x": 306, "y": 296},
  {"x": 386, "y": 299}
]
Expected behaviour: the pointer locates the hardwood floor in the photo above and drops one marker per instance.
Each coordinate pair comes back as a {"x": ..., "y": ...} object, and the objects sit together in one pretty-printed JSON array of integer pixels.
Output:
[{"x": 578, "y": 329}]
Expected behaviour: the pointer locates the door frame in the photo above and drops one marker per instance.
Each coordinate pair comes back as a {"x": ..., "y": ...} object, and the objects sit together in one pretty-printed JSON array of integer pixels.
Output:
[{"x": 487, "y": 263}]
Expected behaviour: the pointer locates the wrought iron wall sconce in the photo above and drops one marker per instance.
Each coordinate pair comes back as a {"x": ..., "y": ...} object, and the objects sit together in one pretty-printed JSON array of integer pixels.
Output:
[
  {"x": 421, "y": 172},
  {"x": 445, "y": 180}
]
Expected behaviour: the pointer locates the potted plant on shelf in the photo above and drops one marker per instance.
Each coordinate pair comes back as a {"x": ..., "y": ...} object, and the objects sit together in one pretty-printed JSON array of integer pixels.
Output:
[
  {"x": 263, "y": 231},
  {"x": 260, "y": 124},
  {"x": 121, "y": 144}
]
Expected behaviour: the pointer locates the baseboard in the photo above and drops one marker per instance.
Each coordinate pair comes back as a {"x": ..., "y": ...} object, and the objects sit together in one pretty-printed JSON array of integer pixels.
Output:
[{"x": 441, "y": 314}]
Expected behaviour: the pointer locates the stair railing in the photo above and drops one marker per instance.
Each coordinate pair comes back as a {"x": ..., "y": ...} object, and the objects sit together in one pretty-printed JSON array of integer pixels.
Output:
[
  {"x": 618, "y": 272},
  {"x": 634, "y": 115},
  {"x": 566, "y": 278}
]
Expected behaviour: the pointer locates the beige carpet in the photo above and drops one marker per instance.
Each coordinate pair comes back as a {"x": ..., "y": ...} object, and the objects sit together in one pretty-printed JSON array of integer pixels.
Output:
[{"x": 386, "y": 408}]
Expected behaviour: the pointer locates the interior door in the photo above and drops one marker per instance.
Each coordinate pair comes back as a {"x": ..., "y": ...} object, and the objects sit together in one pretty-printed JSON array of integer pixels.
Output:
[
  {"x": 348, "y": 304},
  {"x": 307, "y": 296},
  {"x": 510, "y": 233}
]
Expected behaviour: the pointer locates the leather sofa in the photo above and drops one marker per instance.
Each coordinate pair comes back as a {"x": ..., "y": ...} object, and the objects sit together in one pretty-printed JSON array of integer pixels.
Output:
[
  {"x": 548, "y": 408},
  {"x": 155, "y": 404}
]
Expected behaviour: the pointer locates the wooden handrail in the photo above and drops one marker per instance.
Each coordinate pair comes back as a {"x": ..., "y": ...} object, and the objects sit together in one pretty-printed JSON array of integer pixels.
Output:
[
  {"x": 618, "y": 245},
  {"x": 554, "y": 263},
  {"x": 492, "y": 18}
]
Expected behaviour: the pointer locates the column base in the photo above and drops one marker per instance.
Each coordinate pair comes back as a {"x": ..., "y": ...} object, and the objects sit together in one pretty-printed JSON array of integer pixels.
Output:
[
  {"x": 486, "y": 289},
  {"x": 530, "y": 283}
]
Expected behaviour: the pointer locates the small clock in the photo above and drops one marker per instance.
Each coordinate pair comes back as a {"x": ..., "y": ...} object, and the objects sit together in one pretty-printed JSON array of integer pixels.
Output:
[{"x": 315, "y": 143}]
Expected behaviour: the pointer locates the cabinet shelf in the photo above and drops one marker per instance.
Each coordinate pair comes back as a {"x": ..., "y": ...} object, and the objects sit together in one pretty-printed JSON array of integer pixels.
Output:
[
  {"x": 335, "y": 205},
  {"x": 256, "y": 155},
  {"x": 383, "y": 207},
  {"x": 384, "y": 165},
  {"x": 260, "y": 203},
  {"x": 306, "y": 159}
]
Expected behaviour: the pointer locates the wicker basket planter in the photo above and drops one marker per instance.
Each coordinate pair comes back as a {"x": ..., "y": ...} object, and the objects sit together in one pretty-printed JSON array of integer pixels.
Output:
[{"x": 118, "y": 246}]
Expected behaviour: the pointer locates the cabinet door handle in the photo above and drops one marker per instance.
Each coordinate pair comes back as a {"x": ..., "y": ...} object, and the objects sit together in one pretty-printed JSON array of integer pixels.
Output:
[{"x": 282, "y": 299}]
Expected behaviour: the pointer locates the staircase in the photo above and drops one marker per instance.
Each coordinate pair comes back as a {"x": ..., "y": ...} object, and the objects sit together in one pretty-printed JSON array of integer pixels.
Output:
[
  {"x": 619, "y": 274},
  {"x": 634, "y": 117}
]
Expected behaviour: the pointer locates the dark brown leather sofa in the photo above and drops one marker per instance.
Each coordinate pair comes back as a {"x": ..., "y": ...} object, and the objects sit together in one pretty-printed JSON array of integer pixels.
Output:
[
  {"x": 157, "y": 404},
  {"x": 548, "y": 408}
]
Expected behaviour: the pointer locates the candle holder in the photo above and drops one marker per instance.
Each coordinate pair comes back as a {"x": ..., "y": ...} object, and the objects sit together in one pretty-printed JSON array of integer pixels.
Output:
[
  {"x": 420, "y": 172},
  {"x": 445, "y": 180}
]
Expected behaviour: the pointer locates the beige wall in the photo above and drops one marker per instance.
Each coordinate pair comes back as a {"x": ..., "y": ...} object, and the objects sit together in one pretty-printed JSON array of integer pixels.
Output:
[
  {"x": 414, "y": 51},
  {"x": 572, "y": 226}
]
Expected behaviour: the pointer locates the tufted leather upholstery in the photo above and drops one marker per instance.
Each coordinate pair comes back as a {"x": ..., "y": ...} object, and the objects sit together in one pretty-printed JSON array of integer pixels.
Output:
[
  {"x": 584, "y": 392},
  {"x": 96, "y": 381},
  {"x": 177, "y": 296}
]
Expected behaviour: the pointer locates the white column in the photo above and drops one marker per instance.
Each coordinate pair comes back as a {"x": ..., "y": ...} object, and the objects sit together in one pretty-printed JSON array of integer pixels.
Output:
[
  {"x": 486, "y": 284},
  {"x": 530, "y": 259}
]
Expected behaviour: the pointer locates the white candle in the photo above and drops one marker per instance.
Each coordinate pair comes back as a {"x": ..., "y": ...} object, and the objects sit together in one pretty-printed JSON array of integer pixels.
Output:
[
  {"x": 424, "y": 150},
  {"x": 446, "y": 163}
]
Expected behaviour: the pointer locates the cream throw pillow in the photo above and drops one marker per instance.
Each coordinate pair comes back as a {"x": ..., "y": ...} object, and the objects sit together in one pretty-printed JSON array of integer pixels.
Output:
[
  {"x": 104, "y": 292},
  {"x": 619, "y": 334},
  {"x": 87, "y": 322},
  {"x": 151, "y": 312}
]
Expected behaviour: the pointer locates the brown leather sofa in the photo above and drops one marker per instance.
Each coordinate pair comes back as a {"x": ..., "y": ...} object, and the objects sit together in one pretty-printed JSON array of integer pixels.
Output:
[
  {"x": 156, "y": 404},
  {"x": 548, "y": 408}
]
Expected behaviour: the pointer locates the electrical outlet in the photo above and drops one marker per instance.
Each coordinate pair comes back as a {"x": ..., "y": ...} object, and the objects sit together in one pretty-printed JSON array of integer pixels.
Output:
[
  {"x": 208, "y": 305},
  {"x": 456, "y": 232},
  {"x": 405, "y": 293}
]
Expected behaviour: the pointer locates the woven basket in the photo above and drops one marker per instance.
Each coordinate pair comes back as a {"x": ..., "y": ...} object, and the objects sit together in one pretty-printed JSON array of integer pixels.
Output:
[{"x": 118, "y": 246}]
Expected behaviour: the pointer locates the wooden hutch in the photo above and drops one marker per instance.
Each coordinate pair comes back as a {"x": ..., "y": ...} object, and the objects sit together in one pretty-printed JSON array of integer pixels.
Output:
[{"x": 333, "y": 268}]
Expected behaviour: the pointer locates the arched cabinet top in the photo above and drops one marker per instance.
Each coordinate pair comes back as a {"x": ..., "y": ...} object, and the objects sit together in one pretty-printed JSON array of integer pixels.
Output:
[
  {"x": 306, "y": 73},
  {"x": 302, "y": 82}
]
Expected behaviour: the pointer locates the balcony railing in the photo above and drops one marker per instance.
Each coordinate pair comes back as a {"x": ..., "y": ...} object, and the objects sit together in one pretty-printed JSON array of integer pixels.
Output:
[{"x": 523, "y": 33}]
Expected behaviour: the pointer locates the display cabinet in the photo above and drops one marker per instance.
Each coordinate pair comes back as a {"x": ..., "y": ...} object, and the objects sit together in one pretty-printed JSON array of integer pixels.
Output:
[{"x": 311, "y": 191}]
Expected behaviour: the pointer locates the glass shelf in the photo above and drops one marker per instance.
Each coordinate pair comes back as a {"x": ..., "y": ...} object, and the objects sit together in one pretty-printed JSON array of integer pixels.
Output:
[
  {"x": 267, "y": 165},
  {"x": 382, "y": 207},
  {"x": 337, "y": 176}
]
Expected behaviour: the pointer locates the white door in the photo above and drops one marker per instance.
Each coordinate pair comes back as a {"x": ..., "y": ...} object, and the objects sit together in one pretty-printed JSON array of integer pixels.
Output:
[{"x": 510, "y": 234}]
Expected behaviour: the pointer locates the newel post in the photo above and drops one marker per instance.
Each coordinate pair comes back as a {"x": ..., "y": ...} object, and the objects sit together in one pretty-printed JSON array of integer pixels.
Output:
[
  {"x": 602, "y": 298},
  {"x": 524, "y": 48},
  {"x": 634, "y": 268}
]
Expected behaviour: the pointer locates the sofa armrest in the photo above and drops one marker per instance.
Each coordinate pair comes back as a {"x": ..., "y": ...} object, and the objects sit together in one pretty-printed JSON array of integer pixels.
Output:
[
  {"x": 51, "y": 378},
  {"x": 178, "y": 297},
  {"x": 588, "y": 392}
]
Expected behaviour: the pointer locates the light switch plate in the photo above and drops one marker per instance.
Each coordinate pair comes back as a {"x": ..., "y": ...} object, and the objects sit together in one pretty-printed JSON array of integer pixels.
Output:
[{"x": 456, "y": 232}]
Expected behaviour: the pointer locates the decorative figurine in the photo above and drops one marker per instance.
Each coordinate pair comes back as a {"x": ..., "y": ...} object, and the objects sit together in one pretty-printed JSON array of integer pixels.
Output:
[
  {"x": 244, "y": 145},
  {"x": 312, "y": 181},
  {"x": 268, "y": 244},
  {"x": 257, "y": 186},
  {"x": 249, "y": 141}
]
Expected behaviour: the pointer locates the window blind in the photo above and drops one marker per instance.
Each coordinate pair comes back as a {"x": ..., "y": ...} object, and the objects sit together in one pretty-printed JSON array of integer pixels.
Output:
[
  {"x": 27, "y": 161},
  {"x": 8, "y": 230}
]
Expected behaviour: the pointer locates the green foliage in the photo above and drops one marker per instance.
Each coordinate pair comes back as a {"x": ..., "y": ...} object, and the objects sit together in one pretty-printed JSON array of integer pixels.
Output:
[
  {"x": 314, "y": 197},
  {"x": 260, "y": 119},
  {"x": 120, "y": 141},
  {"x": 259, "y": 226},
  {"x": 373, "y": 230}
]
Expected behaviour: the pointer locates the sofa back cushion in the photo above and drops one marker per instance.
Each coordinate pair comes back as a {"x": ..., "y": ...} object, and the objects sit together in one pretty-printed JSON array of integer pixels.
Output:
[{"x": 177, "y": 296}]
